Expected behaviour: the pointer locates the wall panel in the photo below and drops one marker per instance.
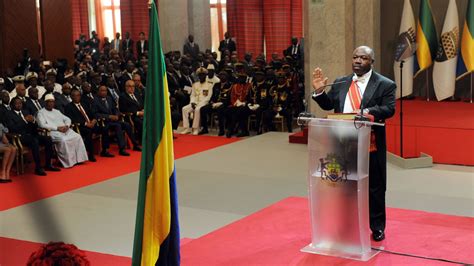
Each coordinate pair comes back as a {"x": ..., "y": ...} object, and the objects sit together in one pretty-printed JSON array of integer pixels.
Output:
[{"x": 56, "y": 18}]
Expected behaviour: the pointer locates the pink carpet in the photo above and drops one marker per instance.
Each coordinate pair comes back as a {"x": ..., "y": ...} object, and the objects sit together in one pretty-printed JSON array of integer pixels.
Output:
[{"x": 275, "y": 235}]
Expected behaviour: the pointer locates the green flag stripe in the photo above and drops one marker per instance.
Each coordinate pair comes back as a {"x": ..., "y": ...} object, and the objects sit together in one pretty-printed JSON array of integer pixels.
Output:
[
  {"x": 153, "y": 124},
  {"x": 428, "y": 26}
]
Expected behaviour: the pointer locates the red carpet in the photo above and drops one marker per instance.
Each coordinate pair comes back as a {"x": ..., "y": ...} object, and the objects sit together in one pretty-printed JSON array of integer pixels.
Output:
[
  {"x": 28, "y": 187},
  {"x": 275, "y": 235},
  {"x": 444, "y": 130},
  {"x": 16, "y": 252}
]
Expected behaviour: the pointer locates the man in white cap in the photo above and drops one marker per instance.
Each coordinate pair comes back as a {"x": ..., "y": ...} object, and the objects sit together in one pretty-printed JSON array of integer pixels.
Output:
[
  {"x": 51, "y": 75},
  {"x": 212, "y": 79},
  {"x": 69, "y": 145},
  {"x": 32, "y": 80},
  {"x": 201, "y": 93}
]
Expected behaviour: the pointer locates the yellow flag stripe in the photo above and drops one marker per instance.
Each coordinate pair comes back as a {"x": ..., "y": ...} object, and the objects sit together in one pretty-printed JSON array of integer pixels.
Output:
[
  {"x": 424, "y": 54},
  {"x": 467, "y": 48}
]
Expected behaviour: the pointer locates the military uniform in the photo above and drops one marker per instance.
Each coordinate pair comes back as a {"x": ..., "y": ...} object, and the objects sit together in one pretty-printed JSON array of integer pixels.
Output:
[
  {"x": 237, "y": 106},
  {"x": 219, "y": 103},
  {"x": 280, "y": 106},
  {"x": 258, "y": 101}
]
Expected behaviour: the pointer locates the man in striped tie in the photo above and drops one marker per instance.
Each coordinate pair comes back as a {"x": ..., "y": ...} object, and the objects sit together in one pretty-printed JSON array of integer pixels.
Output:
[{"x": 375, "y": 94}]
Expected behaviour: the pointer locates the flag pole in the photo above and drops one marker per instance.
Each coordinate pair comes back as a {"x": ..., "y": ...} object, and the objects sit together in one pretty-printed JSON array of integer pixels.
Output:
[
  {"x": 427, "y": 84},
  {"x": 401, "y": 108},
  {"x": 471, "y": 85}
]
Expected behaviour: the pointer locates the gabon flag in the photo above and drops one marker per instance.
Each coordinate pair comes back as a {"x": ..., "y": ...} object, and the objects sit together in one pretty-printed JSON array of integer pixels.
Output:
[
  {"x": 444, "y": 69},
  {"x": 407, "y": 37},
  {"x": 466, "y": 58},
  {"x": 156, "y": 239},
  {"x": 426, "y": 38}
]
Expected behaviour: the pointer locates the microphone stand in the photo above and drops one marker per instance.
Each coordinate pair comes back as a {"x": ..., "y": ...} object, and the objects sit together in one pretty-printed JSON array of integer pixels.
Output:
[{"x": 401, "y": 108}]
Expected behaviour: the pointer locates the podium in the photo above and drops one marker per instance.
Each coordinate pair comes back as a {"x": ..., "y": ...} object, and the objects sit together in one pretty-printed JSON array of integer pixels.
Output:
[{"x": 338, "y": 188}]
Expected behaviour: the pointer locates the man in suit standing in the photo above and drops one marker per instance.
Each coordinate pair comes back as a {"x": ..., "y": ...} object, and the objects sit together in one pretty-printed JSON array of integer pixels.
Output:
[
  {"x": 142, "y": 45},
  {"x": 127, "y": 45},
  {"x": 294, "y": 50},
  {"x": 375, "y": 94},
  {"x": 21, "y": 122},
  {"x": 227, "y": 44},
  {"x": 191, "y": 48},
  {"x": 116, "y": 43}
]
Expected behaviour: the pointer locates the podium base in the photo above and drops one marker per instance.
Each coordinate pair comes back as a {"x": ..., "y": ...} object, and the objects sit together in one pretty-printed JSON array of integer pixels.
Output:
[{"x": 341, "y": 253}]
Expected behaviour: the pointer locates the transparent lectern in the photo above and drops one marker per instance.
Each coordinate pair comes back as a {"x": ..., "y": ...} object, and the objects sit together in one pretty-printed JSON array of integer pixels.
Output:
[{"x": 338, "y": 181}]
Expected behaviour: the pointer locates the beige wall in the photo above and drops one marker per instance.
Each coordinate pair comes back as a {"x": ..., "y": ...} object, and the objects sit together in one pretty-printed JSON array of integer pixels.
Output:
[
  {"x": 332, "y": 30},
  {"x": 200, "y": 22},
  {"x": 173, "y": 16}
]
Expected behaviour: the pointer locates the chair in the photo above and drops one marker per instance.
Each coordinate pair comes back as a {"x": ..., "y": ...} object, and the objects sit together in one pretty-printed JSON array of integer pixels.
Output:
[
  {"x": 252, "y": 120},
  {"x": 95, "y": 137},
  {"x": 279, "y": 121},
  {"x": 22, "y": 150}
]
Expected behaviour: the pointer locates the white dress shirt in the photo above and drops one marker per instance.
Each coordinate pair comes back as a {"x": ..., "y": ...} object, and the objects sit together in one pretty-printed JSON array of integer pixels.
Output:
[{"x": 361, "y": 83}]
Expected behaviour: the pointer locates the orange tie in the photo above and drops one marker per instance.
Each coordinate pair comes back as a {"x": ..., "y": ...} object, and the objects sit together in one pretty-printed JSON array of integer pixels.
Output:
[{"x": 354, "y": 96}]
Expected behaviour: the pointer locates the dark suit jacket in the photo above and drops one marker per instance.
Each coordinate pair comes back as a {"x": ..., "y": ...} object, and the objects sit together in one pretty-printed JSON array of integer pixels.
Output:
[
  {"x": 223, "y": 45},
  {"x": 139, "y": 47},
  {"x": 188, "y": 49},
  {"x": 289, "y": 51},
  {"x": 128, "y": 105},
  {"x": 60, "y": 101},
  {"x": 102, "y": 111},
  {"x": 127, "y": 48},
  {"x": 378, "y": 98},
  {"x": 31, "y": 107},
  {"x": 73, "y": 112},
  {"x": 3, "y": 114},
  {"x": 16, "y": 125}
]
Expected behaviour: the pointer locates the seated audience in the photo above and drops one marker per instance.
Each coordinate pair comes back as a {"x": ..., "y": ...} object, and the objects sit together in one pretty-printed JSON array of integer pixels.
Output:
[{"x": 68, "y": 144}]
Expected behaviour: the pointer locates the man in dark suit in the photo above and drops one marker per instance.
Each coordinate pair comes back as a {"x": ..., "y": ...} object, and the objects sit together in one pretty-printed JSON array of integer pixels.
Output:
[
  {"x": 227, "y": 44},
  {"x": 62, "y": 99},
  {"x": 33, "y": 104},
  {"x": 5, "y": 106},
  {"x": 132, "y": 103},
  {"x": 105, "y": 109},
  {"x": 82, "y": 115},
  {"x": 21, "y": 122},
  {"x": 88, "y": 97},
  {"x": 142, "y": 45},
  {"x": 375, "y": 95},
  {"x": 294, "y": 50},
  {"x": 191, "y": 48},
  {"x": 127, "y": 45}
]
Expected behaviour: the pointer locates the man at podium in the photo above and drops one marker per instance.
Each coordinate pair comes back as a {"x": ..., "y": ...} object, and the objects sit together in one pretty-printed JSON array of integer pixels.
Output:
[{"x": 373, "y": 93}]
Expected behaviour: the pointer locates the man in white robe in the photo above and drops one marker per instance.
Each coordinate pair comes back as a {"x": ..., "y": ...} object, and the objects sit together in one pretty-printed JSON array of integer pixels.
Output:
[{"x": 68, "y": 144}]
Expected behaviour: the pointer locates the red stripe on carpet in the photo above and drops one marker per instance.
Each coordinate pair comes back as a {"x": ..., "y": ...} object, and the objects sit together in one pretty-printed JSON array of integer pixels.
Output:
[
  {"x": 16, "y": 252},
  {"x": 275, "y": 235},
  {"x": 444, "y": 130},
  {"x": 28, "y": 187}
]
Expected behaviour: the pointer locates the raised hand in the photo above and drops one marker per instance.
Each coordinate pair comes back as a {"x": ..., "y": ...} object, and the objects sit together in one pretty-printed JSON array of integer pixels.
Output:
[{"x": 319, "y": 81}]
